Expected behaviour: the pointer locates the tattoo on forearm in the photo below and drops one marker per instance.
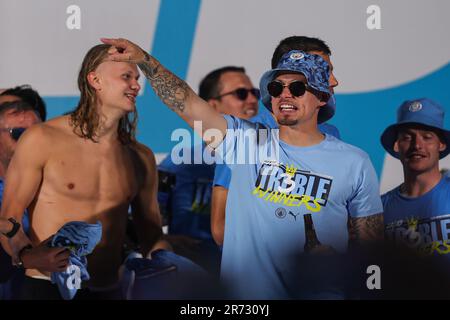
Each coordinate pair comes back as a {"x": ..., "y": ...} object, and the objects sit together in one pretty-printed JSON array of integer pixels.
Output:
[
  {"x": 172, "y": 90},
  {"x": 367, "y": 228}
]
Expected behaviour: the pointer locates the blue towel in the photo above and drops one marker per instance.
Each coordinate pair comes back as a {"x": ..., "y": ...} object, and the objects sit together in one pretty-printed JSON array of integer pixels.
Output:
[{"x": 81, "y": 238}]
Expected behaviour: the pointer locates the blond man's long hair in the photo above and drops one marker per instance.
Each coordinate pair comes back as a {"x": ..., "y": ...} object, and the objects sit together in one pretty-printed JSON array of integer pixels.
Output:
[{"x": 85, "y": 119}]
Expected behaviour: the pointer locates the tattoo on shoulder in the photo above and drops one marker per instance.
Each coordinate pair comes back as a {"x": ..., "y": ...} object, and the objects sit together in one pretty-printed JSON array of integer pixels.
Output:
[
  {"x": 367, "y": 228},
  {"x": 172, "y": 90}
]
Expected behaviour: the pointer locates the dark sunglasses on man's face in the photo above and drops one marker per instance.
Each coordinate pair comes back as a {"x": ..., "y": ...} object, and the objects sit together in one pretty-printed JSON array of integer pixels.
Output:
[
  {"x": 296, "y": 88},
  {"x": 242, "y": 93},
  {"x": 15, "y": 133}
]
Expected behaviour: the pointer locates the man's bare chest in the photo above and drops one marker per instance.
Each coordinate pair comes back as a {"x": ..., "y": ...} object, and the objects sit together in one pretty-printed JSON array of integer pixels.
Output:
[{"x": 93, "y": 175}]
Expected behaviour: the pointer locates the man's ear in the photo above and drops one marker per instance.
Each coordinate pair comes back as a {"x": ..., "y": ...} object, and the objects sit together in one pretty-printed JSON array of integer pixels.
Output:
[
  {"x": 442, "y": 146},
  {"x": 396, "y": 146},
  {"x": 322, "y": 103},
  {"x": 214, "y": 103},
  {"x": 94, "y": 80}
]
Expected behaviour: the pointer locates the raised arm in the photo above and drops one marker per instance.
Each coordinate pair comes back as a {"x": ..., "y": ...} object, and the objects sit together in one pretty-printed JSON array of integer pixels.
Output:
[{"x": 173, "y": 91}]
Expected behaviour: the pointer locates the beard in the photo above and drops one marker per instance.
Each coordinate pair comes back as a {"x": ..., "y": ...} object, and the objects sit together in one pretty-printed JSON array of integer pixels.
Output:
[{"x": 287, "y": 122}]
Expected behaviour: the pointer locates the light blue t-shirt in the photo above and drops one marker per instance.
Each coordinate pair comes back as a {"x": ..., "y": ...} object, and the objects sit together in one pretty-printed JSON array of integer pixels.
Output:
[
  {"x": 264, "y": 229},
  {"x": 222, "y": 173},
  {"x": 422, "y": 223}
]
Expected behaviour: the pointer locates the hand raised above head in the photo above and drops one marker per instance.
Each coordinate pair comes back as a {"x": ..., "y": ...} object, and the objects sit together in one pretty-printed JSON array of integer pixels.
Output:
[{"x": 123, "y": 50}]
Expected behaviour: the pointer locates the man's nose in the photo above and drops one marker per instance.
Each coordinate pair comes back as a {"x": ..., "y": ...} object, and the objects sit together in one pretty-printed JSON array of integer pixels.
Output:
[
  {"x": 417, "y": 143},
  {"x": 251, "y": 98},
  {"x": 333, "y": 81},
  {"x": 136, "y": 86},
  {"x": 286, "y": 93}
]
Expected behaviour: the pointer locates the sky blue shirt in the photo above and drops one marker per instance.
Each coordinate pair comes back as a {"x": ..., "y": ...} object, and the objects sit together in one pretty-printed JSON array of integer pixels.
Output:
[
  {"x": 264, "y": 228},
  {"x": 222, "y": 173},
  {"x": 421, "y": 222}
]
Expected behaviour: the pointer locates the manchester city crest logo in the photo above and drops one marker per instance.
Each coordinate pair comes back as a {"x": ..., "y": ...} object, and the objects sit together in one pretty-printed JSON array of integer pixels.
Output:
[
  {"x": 297, "y": 56},
  {"x": 280, "y": 213},
  {"x": 415, "y": 106}
]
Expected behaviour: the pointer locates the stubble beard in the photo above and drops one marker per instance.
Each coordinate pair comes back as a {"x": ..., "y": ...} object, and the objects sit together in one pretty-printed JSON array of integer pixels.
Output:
[{"x": 288, "y": 122}]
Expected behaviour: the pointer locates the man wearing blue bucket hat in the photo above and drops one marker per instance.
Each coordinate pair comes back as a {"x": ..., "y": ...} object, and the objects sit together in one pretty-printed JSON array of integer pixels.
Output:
[
  {"x": 222, "y": 174},
  {"x": 417, "y": 211},
  {"x": 308, "y": 173}
]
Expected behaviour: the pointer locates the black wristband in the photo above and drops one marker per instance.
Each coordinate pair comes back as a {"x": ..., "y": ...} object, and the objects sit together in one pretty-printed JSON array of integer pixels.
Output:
[{"x": 16, "y": 227}]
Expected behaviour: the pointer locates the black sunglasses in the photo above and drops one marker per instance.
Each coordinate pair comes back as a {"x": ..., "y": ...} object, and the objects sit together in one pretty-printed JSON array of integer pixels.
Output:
[
  {"x": 242, "y": 93},
  {"x": 15, "y": 133},
  {"x": 296, "y": 88}
]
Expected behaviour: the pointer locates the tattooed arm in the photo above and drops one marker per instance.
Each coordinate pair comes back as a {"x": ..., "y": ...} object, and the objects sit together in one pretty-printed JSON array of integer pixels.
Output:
[
  {"x": 367, "y": 229},
  {"x": 173, "y": 91}
]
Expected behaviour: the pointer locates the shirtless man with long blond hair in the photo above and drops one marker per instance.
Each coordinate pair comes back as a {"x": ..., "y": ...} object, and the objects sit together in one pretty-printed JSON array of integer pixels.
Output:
[{"x": 85, "y": 166}]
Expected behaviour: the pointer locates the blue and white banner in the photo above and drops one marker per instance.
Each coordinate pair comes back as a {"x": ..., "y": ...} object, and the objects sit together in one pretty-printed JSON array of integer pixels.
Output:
[{"x": 383, "y": 51}]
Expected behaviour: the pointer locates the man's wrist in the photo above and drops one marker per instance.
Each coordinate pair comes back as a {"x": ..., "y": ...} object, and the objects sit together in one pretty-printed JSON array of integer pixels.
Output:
[
  {"x": 18, "y": 261},
  {"x": 15, "y": 228}
]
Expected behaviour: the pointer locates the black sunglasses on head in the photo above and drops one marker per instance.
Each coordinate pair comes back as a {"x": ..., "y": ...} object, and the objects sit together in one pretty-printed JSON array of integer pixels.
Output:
[
  {"x": 15, "y": 133},
  {"x": 242, "y": 93},
  {"x": 296, "y": 88}
]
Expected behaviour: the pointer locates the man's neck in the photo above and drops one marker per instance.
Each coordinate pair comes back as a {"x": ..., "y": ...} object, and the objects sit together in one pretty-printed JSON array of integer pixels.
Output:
[
  {"x": 301, "y": 136},
  {"x": 416, "y": 185},
  {"x": 109, "y": 123}
]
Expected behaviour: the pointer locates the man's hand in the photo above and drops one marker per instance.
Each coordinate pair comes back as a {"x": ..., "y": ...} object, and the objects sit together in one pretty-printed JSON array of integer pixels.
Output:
[
  {"x": 46, "y": 259},
  {"x": 124, "y": 50},
  {"x": 173, "y": 91}
]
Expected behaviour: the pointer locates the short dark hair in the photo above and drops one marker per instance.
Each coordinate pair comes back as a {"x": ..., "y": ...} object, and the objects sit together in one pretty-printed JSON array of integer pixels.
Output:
[
  {"x": 17, "y": 106},
  {"x": 302, "y": 43},
  {"x": 210, "y": 86},
  {"x": 30, "y": 96}
]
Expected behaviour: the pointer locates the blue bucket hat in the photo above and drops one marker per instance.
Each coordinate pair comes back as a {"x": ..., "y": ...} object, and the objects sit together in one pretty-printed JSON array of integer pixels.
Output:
[
  {"x": 421, "y": 111},
  {"x": 316, "y": 71}
]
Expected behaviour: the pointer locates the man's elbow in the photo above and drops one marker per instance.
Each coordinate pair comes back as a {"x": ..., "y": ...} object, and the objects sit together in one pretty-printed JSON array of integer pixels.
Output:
[{"x": 217, "y": 233}]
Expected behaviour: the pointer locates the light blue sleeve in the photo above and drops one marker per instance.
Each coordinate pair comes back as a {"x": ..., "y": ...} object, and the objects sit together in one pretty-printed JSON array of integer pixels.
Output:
[
  {"x": 222, "y": 173},
  {"x": 366, "y": 199},
  {"x": 222, "y": 176},
  {"x": 235, "y": 131}
]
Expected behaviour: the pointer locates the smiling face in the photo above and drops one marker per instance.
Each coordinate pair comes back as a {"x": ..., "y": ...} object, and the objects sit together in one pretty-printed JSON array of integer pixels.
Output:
[
  {"x": 418, "y": 147},
  {"x": 290, "y": 110},
  {"x": 13, "y": 119},
  {"x": 116, "y": 85},
  {"x": 230, "y": 103}
]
